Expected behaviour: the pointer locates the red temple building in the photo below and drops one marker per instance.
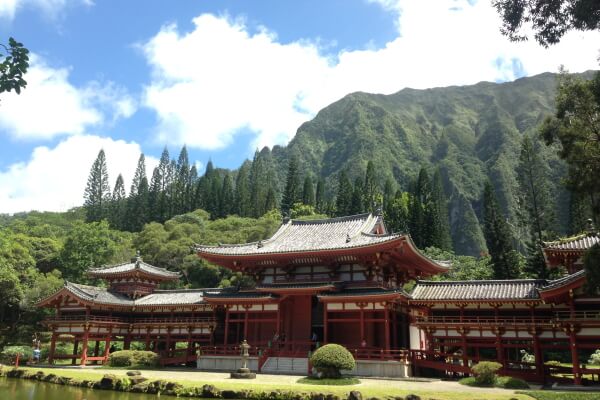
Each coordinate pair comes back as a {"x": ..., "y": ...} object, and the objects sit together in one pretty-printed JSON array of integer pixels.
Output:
[{"x": 335, "y": 280}]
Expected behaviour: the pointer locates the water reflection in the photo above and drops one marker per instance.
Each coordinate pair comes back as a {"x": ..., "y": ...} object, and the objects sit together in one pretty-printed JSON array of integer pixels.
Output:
[{"x": 21, "y": 389}]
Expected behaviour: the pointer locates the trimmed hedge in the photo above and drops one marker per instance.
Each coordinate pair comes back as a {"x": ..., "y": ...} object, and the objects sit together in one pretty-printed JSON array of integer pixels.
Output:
[
  {"x": 330, "y": 359},
  {"x": 485, "y": 372},
  {"x": 133, "y": 358},
  {"x": 508, "y": 382}
]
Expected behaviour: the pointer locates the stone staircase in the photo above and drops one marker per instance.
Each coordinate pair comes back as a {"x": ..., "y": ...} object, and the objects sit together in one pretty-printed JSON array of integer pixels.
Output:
[{"x": 285, "y": 365}]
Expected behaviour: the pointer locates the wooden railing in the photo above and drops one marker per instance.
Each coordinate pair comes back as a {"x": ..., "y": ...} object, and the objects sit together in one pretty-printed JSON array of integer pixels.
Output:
[
  {"x": 456, "y": 320},
  {"x": 229, "y": 350},
  {"x": 380, "y": 354},
  {"x": 130, "y": 320},
  {"x": 578, "y": 315}
]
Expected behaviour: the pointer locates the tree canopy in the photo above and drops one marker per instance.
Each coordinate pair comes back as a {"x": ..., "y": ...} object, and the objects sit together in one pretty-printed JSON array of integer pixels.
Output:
[
  {"x": 550, "y": 20},
  {"x": 14, "y": 64}
]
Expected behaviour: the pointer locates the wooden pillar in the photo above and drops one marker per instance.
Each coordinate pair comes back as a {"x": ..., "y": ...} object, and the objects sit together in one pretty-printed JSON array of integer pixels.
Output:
[
  {"x": 362, "y": 324},
  {"x": 168, "y": 345},
  {"x": 575, "y": 357},
  {"x": 147, "y": 339},
  {"x": 465, "y": 357},
  {"x": 537, "y": 351},
  {"x": 394, "y": 329},
  {"x": 75, "y": 349},
  {"x": 96, "y": 350},
  {"x": 84, "y": 347},
  {"x": 52, "y": 347},
  {"x": 226, "y": 326},
  {"x": 189, "y": 340},
  {"x": 278, "y": 327},
  {"x": 325, "y": 323},
  {"x": 246, "y": 323},
  {"x": 127, "y": 342},
  {"x": 387, "y": 328},
  {"x": 107, "y": 347}
]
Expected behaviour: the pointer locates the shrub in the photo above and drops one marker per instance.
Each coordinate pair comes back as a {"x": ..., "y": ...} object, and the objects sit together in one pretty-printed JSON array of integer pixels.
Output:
[
  {"x": 552, "y": 363},
  {"x": 595, "y": 358},
  {"x": 330, "y": 359},
  {"x": 133, "y": 358},
  {"x": 485, "y": 372},
  {"x": 9, "y": 353},
  {"x": 508, "y": 382}
]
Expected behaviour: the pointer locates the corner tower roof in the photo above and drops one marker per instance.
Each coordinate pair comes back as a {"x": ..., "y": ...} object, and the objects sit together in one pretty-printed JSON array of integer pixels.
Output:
[{"x": 136, "y": 266}]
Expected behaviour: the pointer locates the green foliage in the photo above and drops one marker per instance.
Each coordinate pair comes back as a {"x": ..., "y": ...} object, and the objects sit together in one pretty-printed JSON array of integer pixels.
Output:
[
  {"x": 575, "y": 127},
  {"x": 92, "y": 245},
  {"x": 9, "y": 353},
  {"x": 14, "y": 65},
  {"x": 595, "y": 358},
  {"x": 554, "y": 395},
  {"x": 329, "y": 382},
  {"x": 330, "y": 359},
  {"x": 498, "y": 236},
  {"x": 292, "y": 192},
  {"x": 549, "y": 20},
  {"x": 508, "y": 382},
  {"x": 591, "y": 264},
  {"x": 463, "y": 267},
  {"x": 133, "y": 358},
  {"x": 485, "y": 372}
]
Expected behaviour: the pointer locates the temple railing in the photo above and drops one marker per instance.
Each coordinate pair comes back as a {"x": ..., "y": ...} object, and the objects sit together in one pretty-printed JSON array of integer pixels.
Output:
[
  {"x": 478, "y": 321},
  {"x": 229, "y": 350},
  {"x": 380, "y": 354},
  {"x": 131, "y": 320},
  {"x": 584, "y": 315}
]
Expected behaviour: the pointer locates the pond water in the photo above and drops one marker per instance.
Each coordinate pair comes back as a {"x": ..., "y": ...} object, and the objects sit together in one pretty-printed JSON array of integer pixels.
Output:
[{"x": 22, "y": 389}]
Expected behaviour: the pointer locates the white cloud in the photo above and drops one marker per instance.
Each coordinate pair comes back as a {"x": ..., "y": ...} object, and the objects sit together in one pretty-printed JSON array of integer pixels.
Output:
[
  {"x": 54, "y": 178},
  {"x": 49, "y": 8},
  {"x": 50, "y": 105},
  {"x": 218, "y": 79}
]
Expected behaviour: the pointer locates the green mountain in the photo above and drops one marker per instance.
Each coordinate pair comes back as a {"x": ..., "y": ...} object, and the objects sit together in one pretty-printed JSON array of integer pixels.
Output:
[{"x": 471, "y": 133}]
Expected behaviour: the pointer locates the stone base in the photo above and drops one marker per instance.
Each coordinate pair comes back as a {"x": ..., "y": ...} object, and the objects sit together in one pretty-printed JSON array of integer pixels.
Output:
[{"x": 243, "y": 373}]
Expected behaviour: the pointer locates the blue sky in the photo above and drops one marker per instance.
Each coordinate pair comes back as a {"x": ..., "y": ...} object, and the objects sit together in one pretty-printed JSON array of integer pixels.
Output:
[{"x": 224, "y": 77}]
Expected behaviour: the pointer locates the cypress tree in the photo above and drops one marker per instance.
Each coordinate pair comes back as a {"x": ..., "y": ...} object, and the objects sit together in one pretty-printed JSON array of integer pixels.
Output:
[
  {"x": 242, "y": 191},
  {"x": 190, "y": 189},
  {"x": 504, "y": 258},
  {"x": 356, "y": 203},
  {"x": 539, "y": 216},
  {"x": 180, "y": 202},
  {"x": 137, "y": 203},
  {"x": 159, "y": 199},
  {"x": 258, "y": 186},
  {"x": 436, "y": 217},
  {"x": 388, "y": 194},
  {"x": 226, "y": 197},
  {"x": 396, "y": 212},
  {"x": 320, "y": 197},
  {"x": 308, "y": 192},
  {"x": 291, "y": 193},
  {"x": 579, "y": 212},
  {"x": 97, "y": 192},
  {"x": 419, "y": 197},
  {"x": 270, "y": 202},
  {"x": 343, "y": 200},
  {"x": 370, "y": 189},
  {"x": 118, "y": 208}
]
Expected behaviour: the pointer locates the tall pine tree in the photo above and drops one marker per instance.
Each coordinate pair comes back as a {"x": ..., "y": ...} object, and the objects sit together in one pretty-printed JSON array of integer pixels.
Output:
[
  {"x": 538, "y": 216},
  {"x": 118, "y": 205},
  {"x": 308, "y": 192},
  {"x": 505, "y": 260},
  {"x": 97, "y": 192},
  {"x": 137, "y": 203},
  {"x": 291, "y": 193},
  {"x": 370, "y": 190},
  {"x": 320, "y": 197},
  {"x": 343, "y": 201},
  {"x": 242, "y": 191},
  {"x": 357, "y": 204},
  {"x": 437, "y": 217}
]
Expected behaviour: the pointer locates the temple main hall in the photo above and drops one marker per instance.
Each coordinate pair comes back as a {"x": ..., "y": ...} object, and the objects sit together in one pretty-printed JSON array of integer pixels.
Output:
[{"x": 337, "y": 280}]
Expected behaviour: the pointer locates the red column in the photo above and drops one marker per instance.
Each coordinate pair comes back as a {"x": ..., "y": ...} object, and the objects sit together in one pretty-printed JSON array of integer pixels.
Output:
[
  {"x": 84, "y": 348},
  {"x": 246, "y": 323},
  {"x": 537, "y": 350},
  {"x": 107, "y": 346},
  {"x": 387, "y": 329},
  {"x": 52, "y": 348},
  {"x": 226, "y": 326},
  {"x": 147, "y": 339},
  {"x": 189, "y": 341},
  {"x": 168, "y": 345},
  {"x": 362, "y": 324},
  {"x": 278, "y": 328},
  {"x": 96, "y": 350},
  {"x": 325, "y": 323},
  {"x": 575, "y": 357}
]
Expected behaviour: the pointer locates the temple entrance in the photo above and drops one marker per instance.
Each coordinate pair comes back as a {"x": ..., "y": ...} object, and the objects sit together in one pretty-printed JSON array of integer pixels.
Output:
[{"x": 316, "y": 320}]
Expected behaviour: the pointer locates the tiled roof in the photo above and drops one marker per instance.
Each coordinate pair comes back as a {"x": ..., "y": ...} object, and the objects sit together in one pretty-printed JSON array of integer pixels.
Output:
[
  {"x": 159, "y": 297},
  {"x": 580, "y": 242},
  {"x": 135, "y": 264},
  {"x": 228, "y": 294},
  {"x": 517, "y": 289},
  {"x": 313, "y": 235},
  {"x": 291, "y": 285},
  {"x": 563, "y": 281}
]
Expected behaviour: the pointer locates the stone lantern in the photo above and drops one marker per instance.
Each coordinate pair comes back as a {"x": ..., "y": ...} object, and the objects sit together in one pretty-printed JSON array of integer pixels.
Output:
[{"x": 244, "y": 371}]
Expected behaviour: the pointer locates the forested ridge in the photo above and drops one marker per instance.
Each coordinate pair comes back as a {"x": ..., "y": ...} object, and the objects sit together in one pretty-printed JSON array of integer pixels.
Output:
[{"x": 463, "y": 170}]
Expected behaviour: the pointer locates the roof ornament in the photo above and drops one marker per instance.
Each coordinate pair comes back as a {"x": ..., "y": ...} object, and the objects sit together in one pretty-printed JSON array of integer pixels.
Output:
[
  {"x": 378, "y": 209},
  {"x": 286, "y": 217},
  {"x": 260, "y": 244},
  {"x": 137, "y": 258},
  {"x": 590, "y": 229},
  {"x": 348, "y": 237}
]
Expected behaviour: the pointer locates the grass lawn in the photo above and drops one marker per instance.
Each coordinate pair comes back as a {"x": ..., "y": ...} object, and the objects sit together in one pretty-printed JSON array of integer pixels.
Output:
[
  {"x": 372, "y": 391},
  {"x": 551, "y": 395},
  {"x": 329, "y": 382}
]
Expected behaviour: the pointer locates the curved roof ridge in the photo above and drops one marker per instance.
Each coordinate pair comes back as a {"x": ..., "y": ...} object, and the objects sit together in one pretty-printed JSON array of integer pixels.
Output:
[
  {"x": 562, "y": 280},
  {"x": 483, "y": 281},
  {"x": 329, "y": 220}
]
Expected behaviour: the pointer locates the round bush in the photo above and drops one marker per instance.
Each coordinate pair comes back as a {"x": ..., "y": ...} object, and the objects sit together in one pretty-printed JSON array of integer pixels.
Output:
[
  {"x": 9, "y": 354},
  {"x": 133, "y": 358},
  {"x": 508, "y": 382},
  {"x": 330, "y": 359},
  {"x": 485, "y": 372}
]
